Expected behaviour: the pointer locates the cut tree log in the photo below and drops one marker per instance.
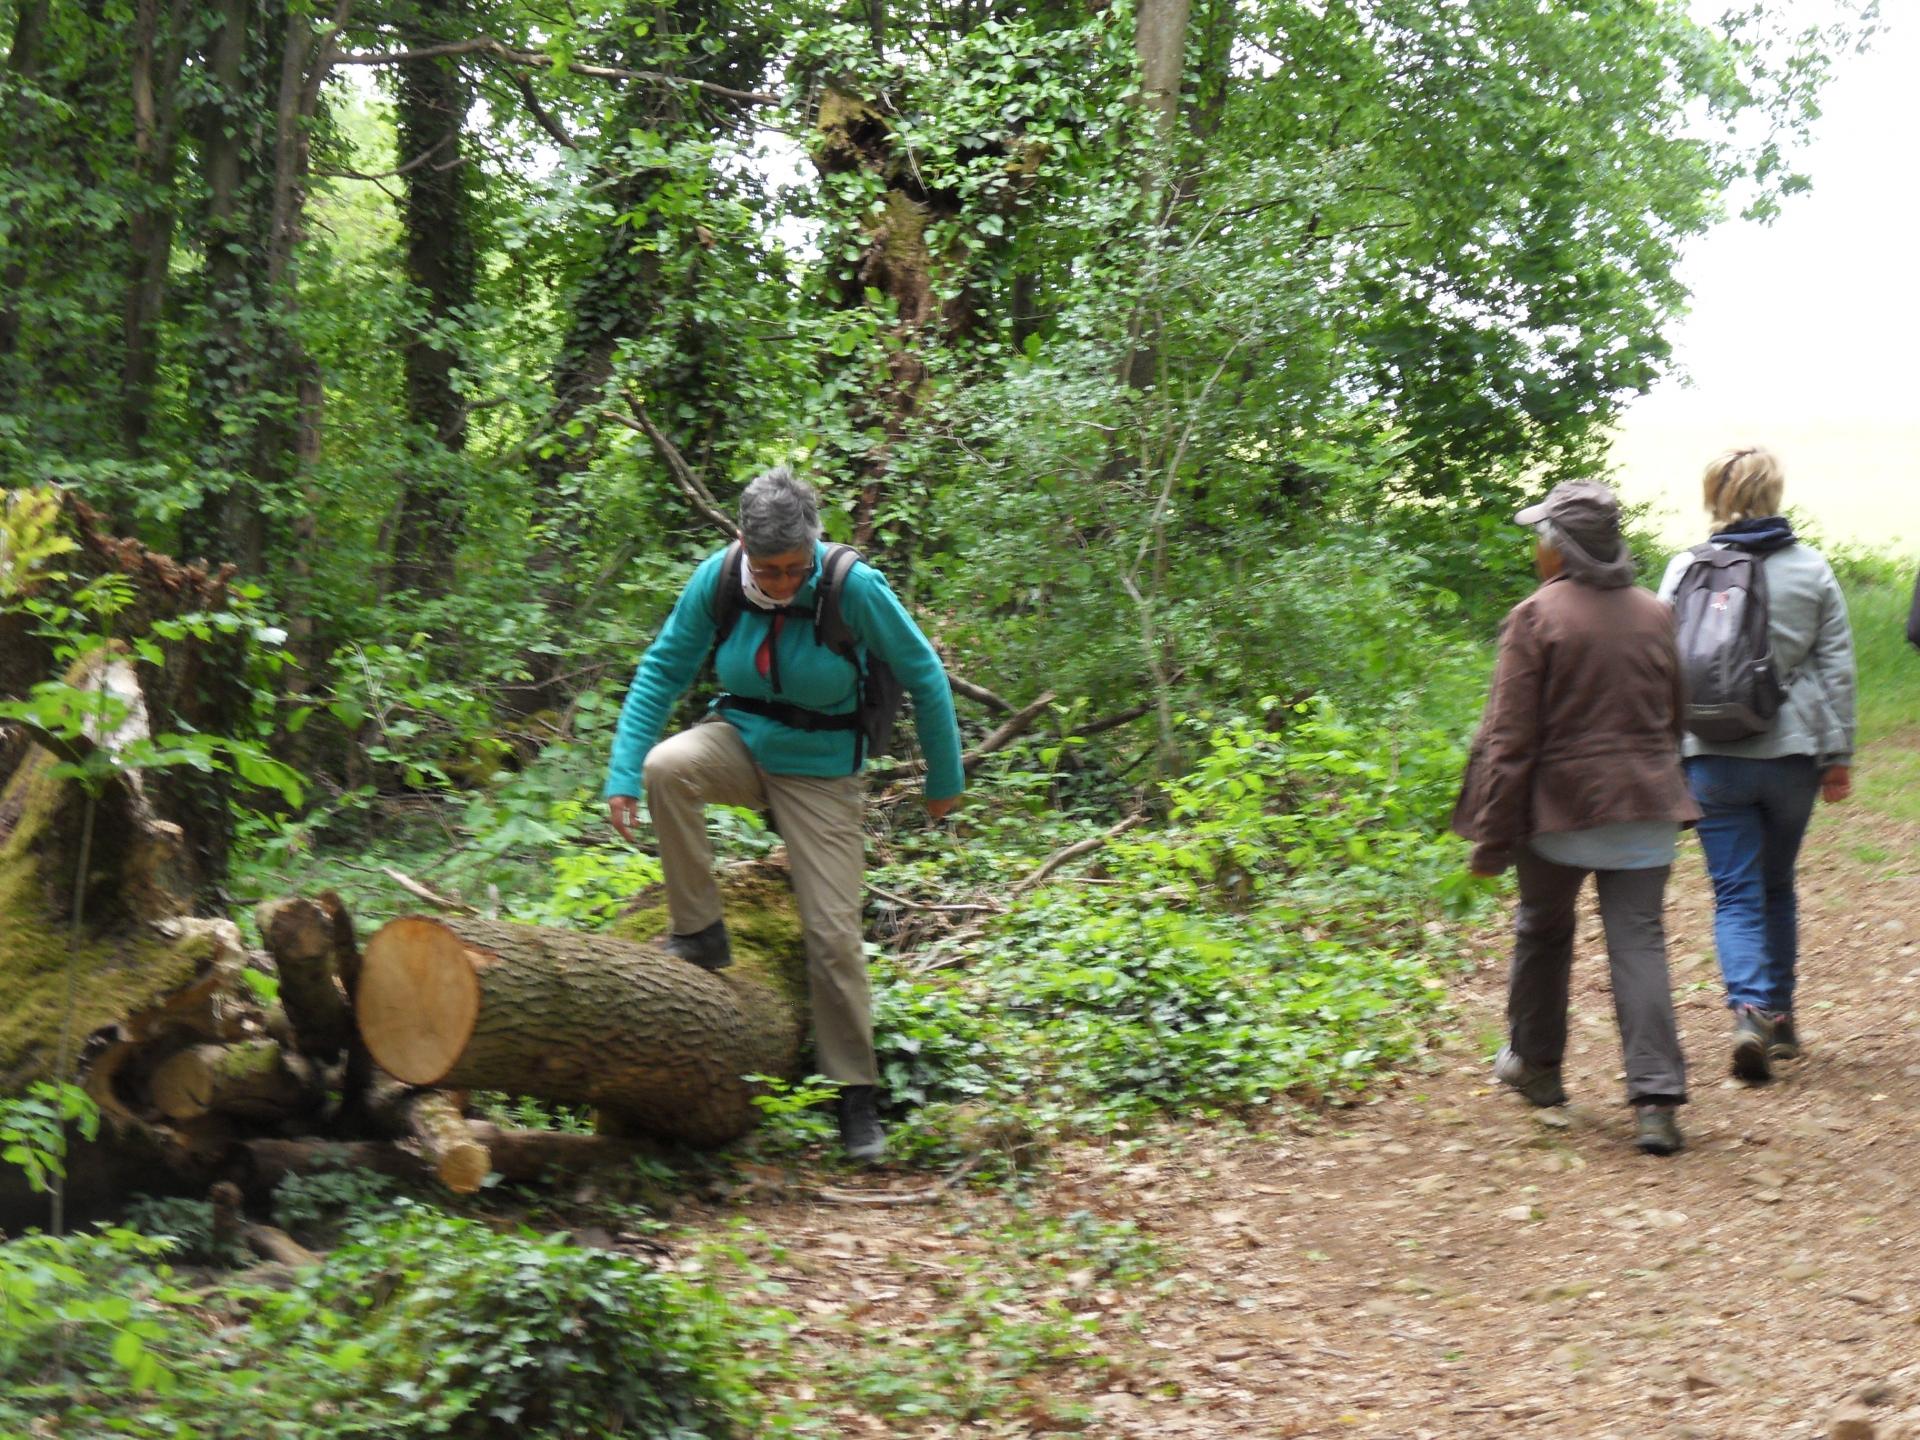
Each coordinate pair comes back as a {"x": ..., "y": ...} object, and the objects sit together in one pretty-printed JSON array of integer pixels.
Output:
[
  {"x": 254, "y": 1080},
  {"x": 662, "y": 1048},
  {"x": 434, "y": 1122},
  {"x": 312, "y": 945}
]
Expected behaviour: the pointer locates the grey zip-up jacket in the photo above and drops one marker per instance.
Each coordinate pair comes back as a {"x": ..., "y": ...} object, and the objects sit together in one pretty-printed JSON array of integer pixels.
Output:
[{"x": 1813, "y": 648}]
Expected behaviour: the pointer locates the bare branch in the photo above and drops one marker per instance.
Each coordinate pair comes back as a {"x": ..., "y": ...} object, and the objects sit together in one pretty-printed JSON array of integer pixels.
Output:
[
  {"x": 1016, "y": 726},
  {"x": 1075, "y": 851},
  {"x": 407, "y": 169},
  {"x": 486, "y": 45},
  {"x": 541, "y": 115},
  {"x": 1111, "y": 722},
  {"x": 963, "y": 686},
  {"x": 683, "y": 474}
]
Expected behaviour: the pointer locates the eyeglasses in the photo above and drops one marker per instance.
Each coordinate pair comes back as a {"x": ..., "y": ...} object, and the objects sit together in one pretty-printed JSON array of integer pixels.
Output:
[{"x": 774, "y": 574}]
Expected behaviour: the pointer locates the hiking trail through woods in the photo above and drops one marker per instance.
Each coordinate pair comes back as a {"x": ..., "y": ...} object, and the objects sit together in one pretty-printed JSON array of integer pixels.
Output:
[{"x": 1442, "y": 1261}]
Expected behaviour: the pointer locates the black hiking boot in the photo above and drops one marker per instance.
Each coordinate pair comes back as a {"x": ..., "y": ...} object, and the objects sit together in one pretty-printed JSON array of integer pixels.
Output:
[
  {"x": 1785, "y": 1044},
  {"x": 1654, "y": 1129},
  {"x": 709, "y": 948},
  {"x": 1538, "y": 1084},
  {"x": 860, "y": 1133},
  {"x": 1752, "y": 1037}
]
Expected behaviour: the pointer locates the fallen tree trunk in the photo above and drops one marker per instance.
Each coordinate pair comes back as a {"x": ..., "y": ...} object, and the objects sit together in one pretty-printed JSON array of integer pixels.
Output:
[{"x": 660, "y": 1047}]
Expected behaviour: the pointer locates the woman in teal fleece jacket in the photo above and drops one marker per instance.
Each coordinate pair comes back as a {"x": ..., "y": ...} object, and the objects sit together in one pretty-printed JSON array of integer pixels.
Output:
[{"x": 770, "y": 741}]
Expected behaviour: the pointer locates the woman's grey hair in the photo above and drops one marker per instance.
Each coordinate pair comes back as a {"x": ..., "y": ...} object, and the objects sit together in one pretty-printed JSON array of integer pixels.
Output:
[{"x": 778, "y": 513}]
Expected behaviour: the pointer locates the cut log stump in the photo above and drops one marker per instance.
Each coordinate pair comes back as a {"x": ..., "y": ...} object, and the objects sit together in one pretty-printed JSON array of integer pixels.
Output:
[{"x": 661, "y": 1047}]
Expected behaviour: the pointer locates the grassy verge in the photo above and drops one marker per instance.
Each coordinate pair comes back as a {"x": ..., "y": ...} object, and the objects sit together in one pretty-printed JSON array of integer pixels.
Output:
[{"x": 1888, "y": 778}]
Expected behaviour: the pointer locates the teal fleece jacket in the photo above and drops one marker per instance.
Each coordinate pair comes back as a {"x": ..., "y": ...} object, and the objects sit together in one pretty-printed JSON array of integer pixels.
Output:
[{"x": 810, "y": 675}]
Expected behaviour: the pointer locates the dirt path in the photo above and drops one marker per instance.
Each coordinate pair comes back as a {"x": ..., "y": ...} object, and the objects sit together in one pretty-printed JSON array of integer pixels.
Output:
[{"x": 1444, "y": 1263}]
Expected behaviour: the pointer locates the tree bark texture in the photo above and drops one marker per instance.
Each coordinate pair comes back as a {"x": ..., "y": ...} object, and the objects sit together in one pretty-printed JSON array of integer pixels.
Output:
[{"x": 661, "y": 1045}]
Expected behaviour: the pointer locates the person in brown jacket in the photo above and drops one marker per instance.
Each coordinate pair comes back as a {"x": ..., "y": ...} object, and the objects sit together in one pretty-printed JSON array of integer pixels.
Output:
[{"x": 1575, "y": 770}]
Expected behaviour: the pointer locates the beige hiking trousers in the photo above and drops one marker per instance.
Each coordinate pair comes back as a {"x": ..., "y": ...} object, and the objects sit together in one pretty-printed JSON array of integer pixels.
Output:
[{"x": 820, "y": 820}]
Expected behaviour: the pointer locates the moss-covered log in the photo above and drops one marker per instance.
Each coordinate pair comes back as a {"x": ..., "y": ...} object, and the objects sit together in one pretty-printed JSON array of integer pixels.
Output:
[
  {"x": 140, "y": 966},
  {"x": 660, "y": 1047}
]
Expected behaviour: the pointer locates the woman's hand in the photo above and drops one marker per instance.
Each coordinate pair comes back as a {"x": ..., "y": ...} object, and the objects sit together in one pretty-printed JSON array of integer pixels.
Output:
[
  {"x": 940, "y": 809},
  {"x": 1837, "y": 784},
  {"x": 624, "y": 812}
]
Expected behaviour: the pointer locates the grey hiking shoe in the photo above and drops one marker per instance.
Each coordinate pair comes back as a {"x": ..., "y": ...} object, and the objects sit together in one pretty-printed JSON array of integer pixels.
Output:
[
  {"x": 1539, "y": 1084},
  {"x": 860, "y": 1133},
  {"x": 1655, "y": 1131},
  {"x": 1752, "y": 1038},
  {"x": 1785, "y": 1044},
  {"x": 709, "y": 948}
]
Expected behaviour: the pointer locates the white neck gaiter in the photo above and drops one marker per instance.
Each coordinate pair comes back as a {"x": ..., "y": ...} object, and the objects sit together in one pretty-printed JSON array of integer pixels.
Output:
[{"x": 755, "y": 595}]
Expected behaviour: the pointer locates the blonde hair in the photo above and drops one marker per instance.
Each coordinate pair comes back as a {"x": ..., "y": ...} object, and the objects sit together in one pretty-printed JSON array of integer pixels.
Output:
[{"x": 1743, "y": 484}]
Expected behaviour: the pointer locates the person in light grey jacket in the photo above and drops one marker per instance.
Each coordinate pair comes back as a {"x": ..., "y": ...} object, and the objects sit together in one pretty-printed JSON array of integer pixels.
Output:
[{"x": 1757, "y": 794}]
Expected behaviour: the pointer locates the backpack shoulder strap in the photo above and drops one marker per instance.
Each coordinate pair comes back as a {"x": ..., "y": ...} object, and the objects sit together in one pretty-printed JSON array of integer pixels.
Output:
[
  {"x": 728, "y": 597},
  {"x": 829, "y": 625}
]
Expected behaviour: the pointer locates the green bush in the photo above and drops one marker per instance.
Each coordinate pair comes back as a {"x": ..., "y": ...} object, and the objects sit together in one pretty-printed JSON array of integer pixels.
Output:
[
  {"x": 478, "y": 1335},
  {"x": 421, "y": 1324}
]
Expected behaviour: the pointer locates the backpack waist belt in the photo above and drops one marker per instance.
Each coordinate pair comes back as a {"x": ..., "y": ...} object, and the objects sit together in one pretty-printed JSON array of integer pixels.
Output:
[{"x": 796, "y": 717}]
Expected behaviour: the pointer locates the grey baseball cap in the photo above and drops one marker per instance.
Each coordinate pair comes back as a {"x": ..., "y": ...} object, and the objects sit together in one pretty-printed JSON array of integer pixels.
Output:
[{"x": 1585, "y": 511}]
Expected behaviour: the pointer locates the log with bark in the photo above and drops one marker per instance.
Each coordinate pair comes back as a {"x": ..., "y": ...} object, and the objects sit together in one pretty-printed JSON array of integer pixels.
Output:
[{"x": 660, "y": 1047}]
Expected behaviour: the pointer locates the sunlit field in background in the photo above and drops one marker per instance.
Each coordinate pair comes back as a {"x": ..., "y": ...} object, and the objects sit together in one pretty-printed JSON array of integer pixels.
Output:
[{"x": 1856, "y": 481}]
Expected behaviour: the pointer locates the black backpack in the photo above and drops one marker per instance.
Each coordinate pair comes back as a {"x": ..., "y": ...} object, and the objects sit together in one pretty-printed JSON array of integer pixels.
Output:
[
  {"x": 1913, "y": 615},
  {"x": 881, "y": 693},
  {"x": 1726, "y": 651}
]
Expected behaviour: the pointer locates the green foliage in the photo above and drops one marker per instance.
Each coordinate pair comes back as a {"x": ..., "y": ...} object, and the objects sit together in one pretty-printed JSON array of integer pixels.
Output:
[
  {"x": 794, "y": 1114},
  {"x": 477, "y": 1334},
  {"x": 325, "y": 1199},
  {"x": 33, "y": 1129},
  {"x": 1277, "y": 936},
  {"x": 186, "y": 1225},
  {"x": 420, "y": 1324},
  {"x": 103, "y": 1305}
]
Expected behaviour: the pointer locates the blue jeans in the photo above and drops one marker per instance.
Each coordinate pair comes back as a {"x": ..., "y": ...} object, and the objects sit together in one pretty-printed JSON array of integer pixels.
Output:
[{"x": 1756, "y": 816}]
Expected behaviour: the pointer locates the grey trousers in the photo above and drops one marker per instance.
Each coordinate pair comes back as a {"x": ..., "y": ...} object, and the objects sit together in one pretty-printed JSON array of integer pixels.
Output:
[
  {"x": 821, "y": 820},
  {"x": 1631, "y": 904}
]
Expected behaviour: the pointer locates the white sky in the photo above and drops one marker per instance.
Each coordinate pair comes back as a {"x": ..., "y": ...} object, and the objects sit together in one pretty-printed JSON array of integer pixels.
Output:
[{"x": 1805, "y": 335}]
